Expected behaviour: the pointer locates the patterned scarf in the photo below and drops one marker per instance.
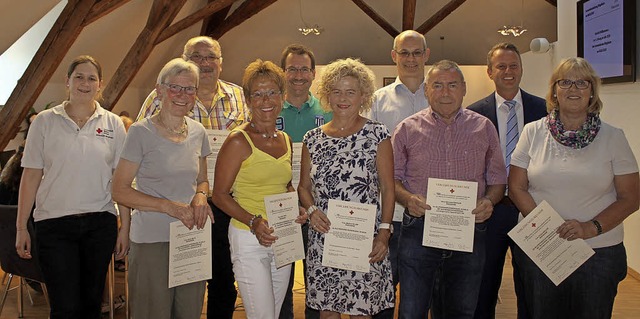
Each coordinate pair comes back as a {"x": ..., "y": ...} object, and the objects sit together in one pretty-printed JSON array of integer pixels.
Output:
[{"x": 575, "y": 139}]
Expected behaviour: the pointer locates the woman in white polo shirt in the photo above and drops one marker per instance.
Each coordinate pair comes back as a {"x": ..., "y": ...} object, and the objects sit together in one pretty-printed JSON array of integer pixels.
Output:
[{"x": 70, "y": 154}]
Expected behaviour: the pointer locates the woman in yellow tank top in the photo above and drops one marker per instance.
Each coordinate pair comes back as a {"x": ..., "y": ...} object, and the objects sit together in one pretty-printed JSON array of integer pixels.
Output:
[{"x": 254, "y": 162}]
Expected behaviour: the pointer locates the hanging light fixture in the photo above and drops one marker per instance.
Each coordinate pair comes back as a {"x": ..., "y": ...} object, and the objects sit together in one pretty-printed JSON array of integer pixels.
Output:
[
  {"x": 516, "y": 31},
  {"x": 306, "y": 29}
]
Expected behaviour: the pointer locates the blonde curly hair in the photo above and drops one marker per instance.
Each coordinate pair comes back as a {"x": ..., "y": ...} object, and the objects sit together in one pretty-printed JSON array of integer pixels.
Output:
[{"x": 341, "y": 68}]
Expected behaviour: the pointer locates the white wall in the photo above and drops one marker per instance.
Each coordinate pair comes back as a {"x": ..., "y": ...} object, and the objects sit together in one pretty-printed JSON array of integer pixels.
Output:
[{"x": 620, "y": 102}]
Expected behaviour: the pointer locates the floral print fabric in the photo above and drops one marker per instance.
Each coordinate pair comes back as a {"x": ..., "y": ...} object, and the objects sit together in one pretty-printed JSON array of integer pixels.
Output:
[
  {"x": 345, "y": 169},
  {"x": 575, "y": 139}
]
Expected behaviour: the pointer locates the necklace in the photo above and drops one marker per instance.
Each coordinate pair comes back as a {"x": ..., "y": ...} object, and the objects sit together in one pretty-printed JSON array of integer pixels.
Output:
[
  {"x": 80, "y": 120},
  {"x": 264, "y": 134},
  {"x": 180, "y": 132}
]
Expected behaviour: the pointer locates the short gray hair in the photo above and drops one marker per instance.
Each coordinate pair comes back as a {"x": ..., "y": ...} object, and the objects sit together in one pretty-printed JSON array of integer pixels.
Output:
[
  {"x": 410, "y": 34},
  {"x": 178, "y": 66},
  {"x": 445, "y": 65},
  {"x": 188, "y": 47}
]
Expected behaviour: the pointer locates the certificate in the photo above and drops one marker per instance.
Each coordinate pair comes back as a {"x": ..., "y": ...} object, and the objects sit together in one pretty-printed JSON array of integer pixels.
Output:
[
  {"x": 556, "y": 257},
  {"x": 450, "y": 224},
  {"x": 349, "y": 241},
  {"x": 216, "y": 138},
  {"x": 190, "y": 254},
  {"x": 282, "y": 210},
  {"x": 295, "y": 164}
]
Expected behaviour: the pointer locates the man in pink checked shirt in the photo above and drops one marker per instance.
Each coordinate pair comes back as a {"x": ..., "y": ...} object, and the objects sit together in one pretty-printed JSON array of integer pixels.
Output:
[{"x": 448, "y": 142}]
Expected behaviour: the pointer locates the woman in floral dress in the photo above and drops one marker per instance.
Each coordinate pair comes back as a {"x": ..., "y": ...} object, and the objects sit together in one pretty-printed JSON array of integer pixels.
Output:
[{"x": 349, "y": 159}]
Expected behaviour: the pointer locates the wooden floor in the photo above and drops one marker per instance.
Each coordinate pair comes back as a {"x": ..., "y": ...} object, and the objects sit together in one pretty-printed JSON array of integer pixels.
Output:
[{"x": 627, "y": 305}]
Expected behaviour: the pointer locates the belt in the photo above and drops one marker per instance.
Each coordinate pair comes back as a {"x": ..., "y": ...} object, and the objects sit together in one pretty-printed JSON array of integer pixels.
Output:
[
  {"x": 506, "y": 201},
  {"x": 80, "y": 215}
]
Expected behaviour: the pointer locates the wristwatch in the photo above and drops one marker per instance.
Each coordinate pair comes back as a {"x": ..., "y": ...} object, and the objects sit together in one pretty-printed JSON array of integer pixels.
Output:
[{"x": 386, "y": 226}]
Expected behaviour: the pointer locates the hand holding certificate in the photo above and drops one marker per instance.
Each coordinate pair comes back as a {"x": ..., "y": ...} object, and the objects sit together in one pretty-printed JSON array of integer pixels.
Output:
[
  {"x": 556, "y": 257},
  {"x": 450, "y": 222},
  {"x": 189, "y": 254},
  {"x": 282, "y": 211},
  {"x": 348, "y": 243}
]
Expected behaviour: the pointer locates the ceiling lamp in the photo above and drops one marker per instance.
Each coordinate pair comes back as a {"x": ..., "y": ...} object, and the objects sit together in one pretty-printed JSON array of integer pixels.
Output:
[
  {"x": 316, "y": 30},
  {"x": 306, "y": 29},
  {"x": 516, "y": 30}
]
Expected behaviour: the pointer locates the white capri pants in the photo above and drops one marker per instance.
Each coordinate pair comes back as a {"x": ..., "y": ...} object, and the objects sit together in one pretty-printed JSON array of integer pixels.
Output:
[{"x": 262, "y": 285}]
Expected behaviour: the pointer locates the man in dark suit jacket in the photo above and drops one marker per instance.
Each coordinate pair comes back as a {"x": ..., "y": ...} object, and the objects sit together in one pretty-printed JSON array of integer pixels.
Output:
[{"x": 504, "y": 67}]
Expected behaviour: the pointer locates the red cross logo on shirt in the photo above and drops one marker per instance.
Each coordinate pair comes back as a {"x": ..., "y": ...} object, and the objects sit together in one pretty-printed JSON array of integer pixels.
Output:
[
  {"x": 99, "y": 130},
  {"x": 533, "y": 225},
  {"x": 452, "y": 191},
  {"x": 351, "y": 212}
]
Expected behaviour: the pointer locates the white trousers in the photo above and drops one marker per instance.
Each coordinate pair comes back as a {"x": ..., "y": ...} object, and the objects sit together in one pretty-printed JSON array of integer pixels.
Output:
[{"x": 262, "y": 285}]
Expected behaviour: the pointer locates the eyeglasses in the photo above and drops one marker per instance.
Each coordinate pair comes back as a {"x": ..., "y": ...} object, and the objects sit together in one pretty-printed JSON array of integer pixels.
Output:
[
  {"x": 199, "y": 58},
  {"x": 175, "y": 89},
  {"x": 262, "y": 94},
  {"x": 580, "y": 84},
  {"x": 405, "y": 54},
  {"x": 303, "y": 70}
]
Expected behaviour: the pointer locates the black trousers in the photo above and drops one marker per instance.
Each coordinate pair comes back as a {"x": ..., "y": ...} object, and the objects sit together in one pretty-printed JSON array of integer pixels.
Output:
[
  {"x": 221, "y": 290},
  {"x": 75, "y": 252}
]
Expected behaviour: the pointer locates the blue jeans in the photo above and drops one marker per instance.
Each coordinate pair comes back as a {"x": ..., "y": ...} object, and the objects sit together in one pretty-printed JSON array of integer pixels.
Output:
[
  {"x": 504, "y": 218},
  {"x": 458, "y": 275},
  {"x": 74, "y": 253},
  {"x": 587, "y": 293}
]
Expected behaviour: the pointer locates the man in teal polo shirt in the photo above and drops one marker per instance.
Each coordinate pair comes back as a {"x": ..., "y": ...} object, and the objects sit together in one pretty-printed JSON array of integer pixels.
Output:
[{"x": 301, "y": 111}]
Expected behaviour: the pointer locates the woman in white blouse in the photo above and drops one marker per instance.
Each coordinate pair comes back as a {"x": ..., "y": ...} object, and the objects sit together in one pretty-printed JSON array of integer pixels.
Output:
[{"x": 585, "y": 169}]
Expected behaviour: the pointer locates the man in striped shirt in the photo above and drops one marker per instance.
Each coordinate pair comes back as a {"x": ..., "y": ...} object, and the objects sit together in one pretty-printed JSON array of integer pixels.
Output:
[{"x": 220, "y": 105}]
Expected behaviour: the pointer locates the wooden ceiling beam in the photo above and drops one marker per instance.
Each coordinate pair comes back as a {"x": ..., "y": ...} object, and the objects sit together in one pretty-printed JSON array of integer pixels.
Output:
[
  {"x": 439, "y": 16},
  {"x": 160, "y": 17},
  {"x": 246, "y": 10},
  {"x": 376, "y": 17},
  {"x": 214, "y": 21},
  {"x": 408, "y": 14},
  {"x": 53, "y": 49},
  {"x": 101, "y": 9},
  {"x": 190, "y": 20}
]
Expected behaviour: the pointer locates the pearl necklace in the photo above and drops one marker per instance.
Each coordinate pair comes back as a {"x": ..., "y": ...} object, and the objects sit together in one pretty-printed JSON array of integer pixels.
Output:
[
  {"x": 264, "y": 134},
  {"x": 182, "y": 130}
]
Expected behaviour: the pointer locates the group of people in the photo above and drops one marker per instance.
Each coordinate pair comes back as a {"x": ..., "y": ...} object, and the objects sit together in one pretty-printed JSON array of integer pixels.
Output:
[{"x": 360, "y": 145}]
